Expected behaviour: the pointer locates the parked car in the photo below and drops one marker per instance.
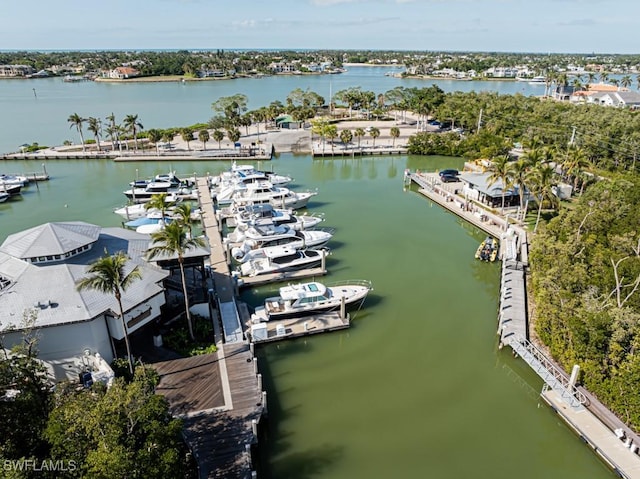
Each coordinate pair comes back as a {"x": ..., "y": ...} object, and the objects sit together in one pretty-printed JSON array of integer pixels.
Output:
[
  {"x": 450, "y": 172},
  {"x": 449, "y": 178}
]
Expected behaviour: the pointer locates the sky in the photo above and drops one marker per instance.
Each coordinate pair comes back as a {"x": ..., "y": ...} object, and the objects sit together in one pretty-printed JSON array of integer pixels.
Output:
[{"x": 543, "y": 26}]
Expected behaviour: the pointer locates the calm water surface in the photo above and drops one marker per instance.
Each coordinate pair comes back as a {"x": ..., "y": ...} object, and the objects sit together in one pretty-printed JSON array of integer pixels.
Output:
[
  {"x": 417, "y": 387},
  {"x": 42, "y": 117}
]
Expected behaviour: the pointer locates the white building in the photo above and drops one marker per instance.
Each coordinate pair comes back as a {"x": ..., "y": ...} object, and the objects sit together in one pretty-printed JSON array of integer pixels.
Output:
[{"x": 39, "y": 270}]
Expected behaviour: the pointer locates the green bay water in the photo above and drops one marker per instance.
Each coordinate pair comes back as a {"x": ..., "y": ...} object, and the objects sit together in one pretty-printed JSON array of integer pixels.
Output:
[{"x": 416, "y": 387}]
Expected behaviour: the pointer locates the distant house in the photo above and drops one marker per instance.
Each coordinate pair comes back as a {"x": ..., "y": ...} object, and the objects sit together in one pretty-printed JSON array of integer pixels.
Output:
[
  {"x": 121, "y": 73},
  {"x": 621, "y": 99},
  {"x": 16, "y": 70},
  {"x": 39, "y": 270}
]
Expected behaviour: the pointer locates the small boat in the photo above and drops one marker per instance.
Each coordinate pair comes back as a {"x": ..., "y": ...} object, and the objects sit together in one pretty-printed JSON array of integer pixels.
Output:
[
  {"x": 488, "y": 249},
  {"x": 537, "y": 80},
  {"x": 250, "y": 248},
  {"x": 278, "y": 259},
  {"x": 4, "y": 196},
  {"x": 264, "y": 192},
  {"x": 303, "y": 299},
  {"x": 260, "y": 236}
]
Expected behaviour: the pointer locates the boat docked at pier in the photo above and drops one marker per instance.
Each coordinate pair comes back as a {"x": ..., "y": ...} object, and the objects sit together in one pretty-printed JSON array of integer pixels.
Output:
[
  {"x": 143, "y": 194},
  {"x": 280, "y": 259},
  {"x": 488, "y": 249},
  {"x": 302, "y": 299},
  {"x": 266, "y": 214},
  {"x": 270, "y": 235},
  {"x": 264, "y": 192},
  {"x": 250, "y": 249}
]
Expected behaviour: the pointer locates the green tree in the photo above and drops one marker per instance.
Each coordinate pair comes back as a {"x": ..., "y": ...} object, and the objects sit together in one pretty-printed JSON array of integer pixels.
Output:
[
  {"x": 174, "y": 241},
  {"x": 218, "y": 136},
  {"x": 187, "y": 136},
  {"x": 155, "y": 136},
  {"x": 133, "y": 125},
  {"x": 77, "y": 121},
  {"x": 184, "y": 215},
  {"x": 345, "y": 137},
  {"x": 123, "y": 431},
  {"x": 374, "y": 133},
  {"x": 542, "y": 184},
  {"x": 394, "y": 131},
  {"x": 358, "y": 133},
  {"x": 95, "y": 127},
  {"x": 331, "y": 132},
  {"x": 159, "y": 202},
  {"x": 111, "y": 274},
  {"x": 233, "y": 135},
  {"x": 500, "y": 170},
  {"x": 26, "y": 396},
  {"x": 203, "y": 136}
]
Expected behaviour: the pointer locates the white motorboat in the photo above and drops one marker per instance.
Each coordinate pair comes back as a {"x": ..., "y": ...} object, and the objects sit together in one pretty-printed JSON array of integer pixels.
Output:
[
  {"x": 4, "y": 196},
  {"x": 278, "y": 259},
  {"x": 248, "y": 171},
  {"x": 264, "y": 192},
  {"x": 303, "y": 299},
  {"x": 266, "y": 214},
  {"x": 257, "y": 236},
  {"x": 12, "y": 188},
  {"x": 155, "y": 187},
  {"x": 292, "y": 238}
]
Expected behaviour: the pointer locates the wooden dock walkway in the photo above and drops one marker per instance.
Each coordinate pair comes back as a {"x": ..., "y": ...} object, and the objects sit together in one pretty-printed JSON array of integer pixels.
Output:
[
  {"x": 297, "y": 327},
  {"x": 327, "y": 152},
  {"x": 593, "y": 422}
]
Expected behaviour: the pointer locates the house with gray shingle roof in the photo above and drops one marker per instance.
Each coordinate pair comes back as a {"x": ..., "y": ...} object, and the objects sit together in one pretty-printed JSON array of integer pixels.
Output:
[{"x": 39, "y": 270}]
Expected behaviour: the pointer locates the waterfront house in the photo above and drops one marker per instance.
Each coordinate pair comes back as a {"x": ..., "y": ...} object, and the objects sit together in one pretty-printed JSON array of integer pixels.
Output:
[
  {"x": 476, "y": 187},
  {"x": 39, "y": 270},
  {"x": 121, "y": 73},
  {"x": 621, "y": 99},
  {"x": 16, "y": 70}
]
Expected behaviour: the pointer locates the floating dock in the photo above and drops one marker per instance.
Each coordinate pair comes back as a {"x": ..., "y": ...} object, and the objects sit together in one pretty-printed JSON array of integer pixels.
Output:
[
  {"x": 248, "y": 281},
  {"x": 297, "y": 327}
]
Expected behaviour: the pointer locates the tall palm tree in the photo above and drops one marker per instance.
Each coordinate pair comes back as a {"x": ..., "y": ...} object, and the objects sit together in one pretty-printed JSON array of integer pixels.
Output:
[
  {"x": 77, "y": 121},
  {"x": 542, "y": 183},
  {"x": 95, "y": 127},
  {"x": 132, "y": 124},
  {"x": 573, "y": 162},
  {"x": 374, "y": 133},
  {"x": 173, "y": 241},
  {"x": 331, "y": 132},
  {"x": 345, "y": 137},
  {"x": 358, "y": 133},
  {"x": 500, "y": 171},
  {"x": 626, "y": 81},
  {"x": 109, "y": 274},
  {"x": 187, "y": 136},
  {"x": 394, "y": 131},
  {"x": 155, "y": 136},
  {"x": 184, "y": 214},
  {"x": 159, "y": 202},
  {"x": 218, "y": 136},
  {"x": 203, "y": 136},
  {"x": 519, "y": 171}
]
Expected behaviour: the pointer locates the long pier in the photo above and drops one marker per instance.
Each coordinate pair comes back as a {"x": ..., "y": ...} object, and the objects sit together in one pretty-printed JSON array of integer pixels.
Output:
[{"x": 606, "y": 434}]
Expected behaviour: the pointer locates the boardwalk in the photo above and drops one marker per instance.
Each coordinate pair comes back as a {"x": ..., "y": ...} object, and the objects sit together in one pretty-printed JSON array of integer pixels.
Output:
[{"x": 594, "y": 423}]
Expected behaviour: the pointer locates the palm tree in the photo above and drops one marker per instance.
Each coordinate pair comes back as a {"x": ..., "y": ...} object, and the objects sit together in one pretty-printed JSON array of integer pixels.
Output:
[
  {"x": 108, "y": 275},
  {"x": 132, "y": 124},
  {"x": 203, "y": 136},
  {"x": 173, "y": 241},
  {"x": 519, "y": 171},
  {"x": 158, "y": 202},
  {"x": 626, "y": 81},
  {"x": 77, "y": 121},
  {"x": 542, "y": 183},
  {"x": 375, "y": 133},
  {"x": 358, "y": 133},
  {"x": 395, "y": 133},
  {"x": 331, "y": 133},
  {"x": 167, "y": 137},
  {"x": 500, "y": 171},
  {"x": 183, "y": 213},
  {"x": 574, "y": 161},
  {"x": 95, "y": 127},
  {"x": 345, "y": 137},
  {"x": 604, "y": 76},
  {"x": 187, "y": 135},
  {"x": 155, "y": 136},
  {"x": 218, "y": 136}
]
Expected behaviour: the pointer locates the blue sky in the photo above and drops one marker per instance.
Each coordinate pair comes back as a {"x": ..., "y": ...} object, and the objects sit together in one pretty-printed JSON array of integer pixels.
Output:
[{"x": 583, "y": 26}]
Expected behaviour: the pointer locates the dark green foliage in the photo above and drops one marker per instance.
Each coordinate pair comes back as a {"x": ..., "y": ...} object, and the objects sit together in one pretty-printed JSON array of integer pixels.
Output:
[
  {"x": 125, "y": 431},
  {"x": 582, "y": 312}
]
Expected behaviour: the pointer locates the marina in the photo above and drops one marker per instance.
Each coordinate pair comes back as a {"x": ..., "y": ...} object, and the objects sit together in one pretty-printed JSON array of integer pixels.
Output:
[{"x": 294, "y": 372}]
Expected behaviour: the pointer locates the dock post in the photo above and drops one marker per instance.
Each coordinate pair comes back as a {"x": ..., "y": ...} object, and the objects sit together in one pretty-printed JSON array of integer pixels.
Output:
[
  {"x": 254, "y": 428},
  {"x": 252, "y": 348},
  {"x": 574, "y": 375},
  {"x": 255, "y": 366},
  {"x": 44, "y": 168},
  {"x": 264, "y": 401},
  {"x": 259, "y": 382},
  {"x": 343, "y": 308},
  {"x": 324, "y": 255}
]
